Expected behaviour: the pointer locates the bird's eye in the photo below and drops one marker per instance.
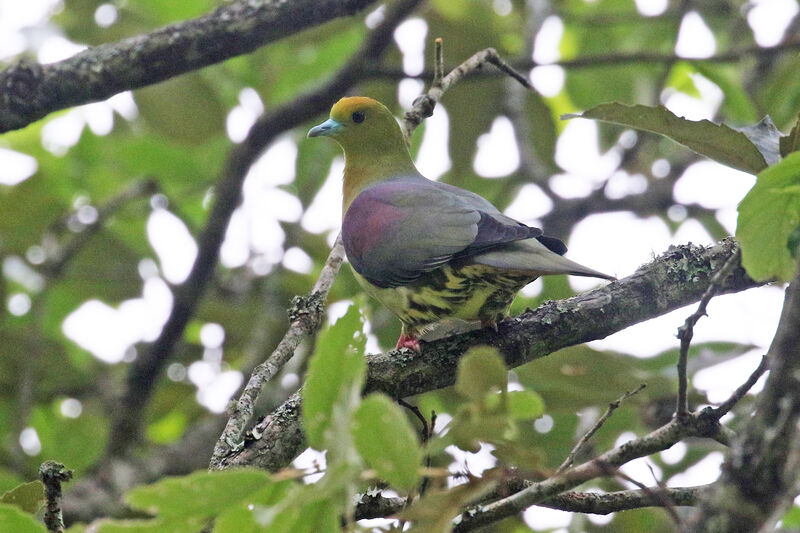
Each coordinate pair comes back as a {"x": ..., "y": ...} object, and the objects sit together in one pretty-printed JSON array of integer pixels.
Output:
[{"x": 358, "y": 117}]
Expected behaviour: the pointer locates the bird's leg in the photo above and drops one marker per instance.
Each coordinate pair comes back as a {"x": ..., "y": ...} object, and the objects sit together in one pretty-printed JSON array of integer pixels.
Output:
[
  {"x": 408, "y": 340},
  {"x": 488, "y": 323}
]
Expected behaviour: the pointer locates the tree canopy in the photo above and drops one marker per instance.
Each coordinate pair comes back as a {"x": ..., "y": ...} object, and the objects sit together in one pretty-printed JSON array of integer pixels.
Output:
[{"x": 178, "y": 324}]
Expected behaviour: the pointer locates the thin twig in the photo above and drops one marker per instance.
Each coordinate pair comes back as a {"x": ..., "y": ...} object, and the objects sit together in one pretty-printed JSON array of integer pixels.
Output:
[
  {"x": 656, "y": 493},
  {"x": 693, "y": 425},
  {"x": 755, "y": 481},
  {"x": 597, "y": 425},
  {"x": 414, "y": 409},
  {"x": 424, "y": 104},
  {"x": 438, "y": 63},
  {"x": 52, "y": 475},
  {"x": 575, "y": 502},
  {"x": 306, "y": 315},
  {"x": 686, "y": 331},
  {"x": 740, "y": 392},
  {"x": 54, "y": 267}
]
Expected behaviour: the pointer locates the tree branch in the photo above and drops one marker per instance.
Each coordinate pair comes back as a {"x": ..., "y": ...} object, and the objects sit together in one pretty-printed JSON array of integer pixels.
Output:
[
  {"x": 613, "y": 406},
  {"x": 611, "y": 59},
  {"x": 758, "y": 476},
  {"x": 574, "y": 502},
  {"x": 145, "y": 370},
  {"x": 686, "y": 331},
  {"x": 693, "y": 425},
  {"x": 29, "y": 91},
  {"x": 52, "y": 475},
  {"x": 678, "y": 277},
  {"x": 424, "y": 104},
  {"x": 306, "y": 314}
]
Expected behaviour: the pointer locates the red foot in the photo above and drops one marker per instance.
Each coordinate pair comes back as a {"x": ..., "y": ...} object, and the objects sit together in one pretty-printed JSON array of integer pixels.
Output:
[{"x": 408, "y": 341}]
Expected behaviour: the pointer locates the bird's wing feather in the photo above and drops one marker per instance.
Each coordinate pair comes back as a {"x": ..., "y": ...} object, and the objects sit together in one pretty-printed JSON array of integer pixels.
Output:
[{"x": 397, "y": 230}]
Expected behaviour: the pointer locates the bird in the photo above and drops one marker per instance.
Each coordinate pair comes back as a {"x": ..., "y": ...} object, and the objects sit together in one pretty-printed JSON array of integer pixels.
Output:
[{"x": 428, "y": 251}]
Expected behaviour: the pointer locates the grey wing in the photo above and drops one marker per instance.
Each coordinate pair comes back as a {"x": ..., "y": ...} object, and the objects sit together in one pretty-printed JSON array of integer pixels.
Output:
[{"x": 398, "y": 230}]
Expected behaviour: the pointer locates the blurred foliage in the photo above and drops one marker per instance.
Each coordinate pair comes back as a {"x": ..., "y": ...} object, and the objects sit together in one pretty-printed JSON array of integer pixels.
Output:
[{"x": 178, "y": 139}]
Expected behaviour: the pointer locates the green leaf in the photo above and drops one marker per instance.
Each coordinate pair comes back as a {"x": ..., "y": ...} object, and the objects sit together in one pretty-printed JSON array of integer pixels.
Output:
[
  {"x": 336, "y": 372},
  {"x": 240, "y": 518},
  {"x": 185, "y": 108},
  {"x": 387, "y": 442},
  {"x": 680, "y": 78},
  {"x": 29, "y": 496},
  {"x": 525, "y": 405},
  {"x": 737, "y": 104},
  {"x": 715, "y": 141},
  {"x": 481, "y": 370},
  {"x": 313, "y": 517},
  {"x": 791, "y": 143},
  {"x": 201, "y": 494},
  {"x": 768, "y": 216},
  {"x": 184, "y": 524},
  {"x": 8, "y": 480},
  {"x": 434, "y": 512},
  {"x": 14, "y": 519},
  {"x": 792, "y": 518},
  {"x": 168, "y": 429}
]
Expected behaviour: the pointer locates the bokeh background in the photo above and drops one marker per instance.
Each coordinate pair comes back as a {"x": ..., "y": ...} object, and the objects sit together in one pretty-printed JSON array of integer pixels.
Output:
[{"x": 101, "y": 205}]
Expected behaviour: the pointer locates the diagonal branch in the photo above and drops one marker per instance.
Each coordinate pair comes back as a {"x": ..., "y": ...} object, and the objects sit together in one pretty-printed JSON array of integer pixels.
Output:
[
  {"x": 307, "y": 315},
  {"x": 693, "y": 425},
  {"x": 424, "y": 104},
  {"x": 145, "y": 370},
  {"x": 30, "y": 91},
  {"x": 677, "y": 278},
  {"x": 613, "y": 406}
]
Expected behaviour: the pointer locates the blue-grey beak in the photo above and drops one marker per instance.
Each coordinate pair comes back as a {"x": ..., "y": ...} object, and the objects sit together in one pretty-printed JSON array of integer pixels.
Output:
[{"x": 329, "y": 127}]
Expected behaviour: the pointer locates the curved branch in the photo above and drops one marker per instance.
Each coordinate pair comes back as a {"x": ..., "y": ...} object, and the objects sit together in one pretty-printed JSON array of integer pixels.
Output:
[
  {"x": 29, "y": 91},
  {"x": 676, "y": 278}
]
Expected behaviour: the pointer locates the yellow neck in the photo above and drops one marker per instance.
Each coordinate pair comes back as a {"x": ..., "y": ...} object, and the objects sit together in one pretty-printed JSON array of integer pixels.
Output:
[{"x": 362, "y": 170}]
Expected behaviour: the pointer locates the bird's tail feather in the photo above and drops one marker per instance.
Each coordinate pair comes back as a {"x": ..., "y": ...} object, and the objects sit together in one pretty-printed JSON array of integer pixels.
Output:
[{"x": 530, "y": 256}]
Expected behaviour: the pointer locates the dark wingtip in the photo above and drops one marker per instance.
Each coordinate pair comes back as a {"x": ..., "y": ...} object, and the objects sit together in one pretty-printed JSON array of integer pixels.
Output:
[{"x": 553, "y": 244}]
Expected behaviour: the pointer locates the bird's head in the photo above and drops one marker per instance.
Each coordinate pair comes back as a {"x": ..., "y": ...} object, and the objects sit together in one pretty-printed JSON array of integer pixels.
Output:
[{"x": 361, "y": 124}]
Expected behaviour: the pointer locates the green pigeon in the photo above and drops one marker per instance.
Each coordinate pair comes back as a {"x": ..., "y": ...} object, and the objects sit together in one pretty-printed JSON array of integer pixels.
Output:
[{"x": 426, "y": 250}]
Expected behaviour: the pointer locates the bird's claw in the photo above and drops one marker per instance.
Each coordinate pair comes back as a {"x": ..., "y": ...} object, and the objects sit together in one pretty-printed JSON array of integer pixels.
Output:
[{"x": 408, "y": 341}]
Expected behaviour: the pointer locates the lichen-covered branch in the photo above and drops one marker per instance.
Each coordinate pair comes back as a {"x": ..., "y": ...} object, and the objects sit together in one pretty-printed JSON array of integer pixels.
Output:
[
  {"x": 30, "y": 91},
  {"x": 678, "y": 277},
  {"x": 306, "y": 317},
  {"x": 53, "y": 474},
  {"x": 573, "y": 501}
]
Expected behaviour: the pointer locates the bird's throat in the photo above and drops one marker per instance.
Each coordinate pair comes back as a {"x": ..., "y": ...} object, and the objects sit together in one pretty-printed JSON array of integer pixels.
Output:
[{"x": 361, "y": 172}]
